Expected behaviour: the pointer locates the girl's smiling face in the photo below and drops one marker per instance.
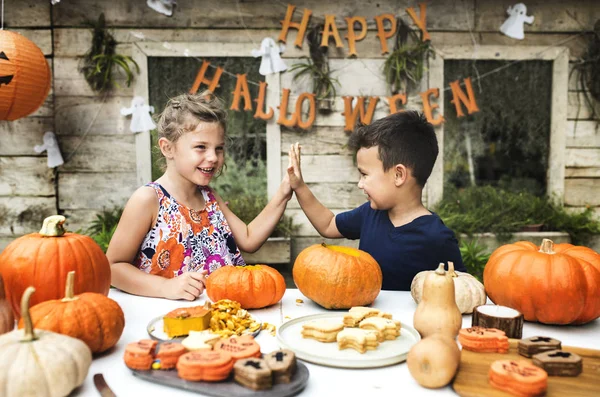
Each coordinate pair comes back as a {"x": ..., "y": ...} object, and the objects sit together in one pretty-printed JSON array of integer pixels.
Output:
[
  {"x": 200, "y": 154},
  {"x": 378, "y": 185}
]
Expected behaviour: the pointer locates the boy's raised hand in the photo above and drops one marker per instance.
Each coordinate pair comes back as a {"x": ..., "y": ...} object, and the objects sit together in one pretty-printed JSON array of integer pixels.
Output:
[
  {"x": 293, "y": 170},
  {"x": 188, "y": 286}
]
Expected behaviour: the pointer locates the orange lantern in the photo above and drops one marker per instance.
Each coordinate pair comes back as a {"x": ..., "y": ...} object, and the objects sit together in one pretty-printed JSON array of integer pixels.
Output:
[{"x": 24, "y": 76}]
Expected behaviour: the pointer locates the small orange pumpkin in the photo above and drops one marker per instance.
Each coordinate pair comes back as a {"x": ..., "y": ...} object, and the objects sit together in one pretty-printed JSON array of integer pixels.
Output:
[
  {"x": 254, "y": 287},
  {"x": 7, "y": 319},
  {"x": 42, "y": 259},
  {"x": 555, "y": 284},
  {"x": 93, "y": 318},
  {"x": 337, "y": 277}
]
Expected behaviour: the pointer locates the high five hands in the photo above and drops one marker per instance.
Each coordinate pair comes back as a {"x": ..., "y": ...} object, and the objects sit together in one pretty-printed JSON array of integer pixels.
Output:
[{"x": 293, "y": 170}]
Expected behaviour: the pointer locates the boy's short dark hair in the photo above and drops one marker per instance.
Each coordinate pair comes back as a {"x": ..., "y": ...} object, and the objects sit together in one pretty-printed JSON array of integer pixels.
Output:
[{"x": 405, "y": 138}]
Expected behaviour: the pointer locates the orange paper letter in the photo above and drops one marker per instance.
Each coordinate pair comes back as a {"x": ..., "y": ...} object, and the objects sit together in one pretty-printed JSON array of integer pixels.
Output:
[
  {"x": 311, "y": 110},
  {"x": 241, "y": 90},
  {"x": 421, "y": 22},
  {"x": 287, "y": 24},
  {"x": 393, "y": 100},
  {"x": 260, "y": 103},
  {"x": 352, "y": 114},
  {"x": 428, "y": 107},
  {"x": 283, "y": 120},
  {"x": 212, "y": 84},
  {"x": 352, "y": 37},
  {"x": 330, "y": 30},
  {"x": 381, "y": 32},
  {"x": 468, "y": 99}
]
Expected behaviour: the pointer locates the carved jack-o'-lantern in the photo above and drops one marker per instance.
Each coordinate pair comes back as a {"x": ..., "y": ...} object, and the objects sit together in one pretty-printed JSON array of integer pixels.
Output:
[{"x": 24, "y": 76}]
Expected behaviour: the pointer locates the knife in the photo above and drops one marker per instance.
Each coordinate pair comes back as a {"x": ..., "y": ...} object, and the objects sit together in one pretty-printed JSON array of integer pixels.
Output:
[{"x": 102, "y": 387}]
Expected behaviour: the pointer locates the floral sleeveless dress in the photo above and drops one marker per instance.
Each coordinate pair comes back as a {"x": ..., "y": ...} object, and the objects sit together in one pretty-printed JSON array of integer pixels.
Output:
[{"x": 186, "y": 240}]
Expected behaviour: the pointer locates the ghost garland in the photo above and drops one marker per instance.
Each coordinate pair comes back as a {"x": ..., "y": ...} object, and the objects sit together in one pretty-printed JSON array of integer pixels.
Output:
[
  {"x": 50, "y": 145},
  {"x": 140, "y": 115},
  {"x": 513, "y": 26}
]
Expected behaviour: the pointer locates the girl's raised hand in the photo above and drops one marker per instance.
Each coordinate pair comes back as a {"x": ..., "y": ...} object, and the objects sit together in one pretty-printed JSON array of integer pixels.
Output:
[
  {"x": 293, "y": 170},
  {"x": 188, "y": 286}
]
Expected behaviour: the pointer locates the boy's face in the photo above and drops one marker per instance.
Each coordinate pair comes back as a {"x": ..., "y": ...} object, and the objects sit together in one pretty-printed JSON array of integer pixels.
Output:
[{"x": 378, "y": 185}]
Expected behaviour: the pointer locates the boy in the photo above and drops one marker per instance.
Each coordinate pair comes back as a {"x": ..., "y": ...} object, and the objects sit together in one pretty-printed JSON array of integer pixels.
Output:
[{"x": 395, "y": 156}]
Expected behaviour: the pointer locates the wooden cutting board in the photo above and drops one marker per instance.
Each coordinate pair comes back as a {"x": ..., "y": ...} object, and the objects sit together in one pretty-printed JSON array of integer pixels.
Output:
[{"x": 472, "y": 377}]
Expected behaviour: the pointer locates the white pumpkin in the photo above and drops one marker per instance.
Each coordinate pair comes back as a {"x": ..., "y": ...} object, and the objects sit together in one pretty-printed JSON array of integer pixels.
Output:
[
  {"x": 469, "y": 292},
  {"x": 40, "y": 363}
]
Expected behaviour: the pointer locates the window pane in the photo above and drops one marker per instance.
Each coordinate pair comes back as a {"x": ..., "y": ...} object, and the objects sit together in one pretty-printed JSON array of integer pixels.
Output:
[{"x": 506, "y": 143}]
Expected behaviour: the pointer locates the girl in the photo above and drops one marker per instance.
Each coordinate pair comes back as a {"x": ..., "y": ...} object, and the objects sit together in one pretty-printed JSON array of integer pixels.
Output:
[{"x": 177, "y": 230}]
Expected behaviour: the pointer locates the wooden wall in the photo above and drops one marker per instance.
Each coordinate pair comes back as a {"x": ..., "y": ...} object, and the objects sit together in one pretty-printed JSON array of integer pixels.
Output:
[{"x": 99, "y": 150}]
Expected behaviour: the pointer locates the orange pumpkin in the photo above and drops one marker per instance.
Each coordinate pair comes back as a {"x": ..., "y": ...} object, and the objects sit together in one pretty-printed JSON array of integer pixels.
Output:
[
  {"x": 24, "y": 76},
  {"x": 43, "y": 259},
  {"x": 555, "y": 284},
  {"x": 254, "y": 287},
  {"x": 337, "y": 277},
  {"x": 90, "y": 317},
  {"x": 7, "y": 319}
]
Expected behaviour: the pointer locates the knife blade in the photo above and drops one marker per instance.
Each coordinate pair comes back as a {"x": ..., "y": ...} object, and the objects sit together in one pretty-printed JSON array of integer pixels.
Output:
[{"x": 102, "y": 386}]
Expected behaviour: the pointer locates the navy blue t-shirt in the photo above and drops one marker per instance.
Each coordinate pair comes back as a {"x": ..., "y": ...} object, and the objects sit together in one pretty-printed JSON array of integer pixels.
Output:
[{"x": 402, "y": 251}]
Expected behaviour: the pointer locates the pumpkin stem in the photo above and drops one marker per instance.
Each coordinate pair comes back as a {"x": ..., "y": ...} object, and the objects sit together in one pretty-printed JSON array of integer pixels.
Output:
[
  {"x": 53, "y": 226},
  {"x": 440, "y": 270},
  {"x": 28, "y": 333},
  {"x": 451, "y": 271},
  {"x": 69, "y": 290},
  {"x": 547, "y": 246}
]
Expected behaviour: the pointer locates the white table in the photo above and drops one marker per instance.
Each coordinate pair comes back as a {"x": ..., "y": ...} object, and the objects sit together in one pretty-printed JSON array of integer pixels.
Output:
[{"x": 323, "y": 381}]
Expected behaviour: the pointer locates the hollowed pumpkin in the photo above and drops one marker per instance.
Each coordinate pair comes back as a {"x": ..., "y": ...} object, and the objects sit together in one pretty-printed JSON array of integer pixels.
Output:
[
  {"x": 254, "y": 287},
  {"x": 552, "y": 284},
  {"x": 337, "y": 277},
  {"x": 43, "y": 259}
]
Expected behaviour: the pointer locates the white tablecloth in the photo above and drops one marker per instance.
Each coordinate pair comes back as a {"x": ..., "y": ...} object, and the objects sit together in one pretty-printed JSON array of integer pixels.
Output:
[{"x": 323, "y": 381}]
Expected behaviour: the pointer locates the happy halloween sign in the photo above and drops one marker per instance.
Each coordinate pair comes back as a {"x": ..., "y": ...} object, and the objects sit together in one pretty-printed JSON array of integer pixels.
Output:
[{"x": 363, "y": 107}]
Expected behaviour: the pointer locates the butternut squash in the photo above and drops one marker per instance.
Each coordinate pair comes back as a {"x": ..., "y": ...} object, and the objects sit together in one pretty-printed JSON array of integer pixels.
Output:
[
  {"x": 437, "y": 311},
  {"x": 433, "y": 361}
]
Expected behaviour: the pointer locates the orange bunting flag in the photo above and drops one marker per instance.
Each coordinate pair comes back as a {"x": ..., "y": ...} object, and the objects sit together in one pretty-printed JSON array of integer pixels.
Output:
[
  {"x": 287, "y": 23},
  {"x": 352, "y": 37},
  {"x": 351, "y": 114},
  {"x": 212, "y": 84},
  {"x": 260, "y": 103},
  {"x": 241, "y": 90},
  {"x": 421, "y": 21},
  {"x": 382, "y": 33},
  {"x": 468, "y": 99},
  {"x": 428, "y": 107},
  {"x": 330, "y": 29},
  {"x": 393, "y": 101}
]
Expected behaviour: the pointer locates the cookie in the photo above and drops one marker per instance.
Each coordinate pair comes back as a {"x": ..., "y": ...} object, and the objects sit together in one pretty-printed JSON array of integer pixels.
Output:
[
  {"x": 239, "y": 346},
  {"x": 518, "y": 377},
  {"x": 483, "y": 340},
  {"x": 386, "y": 328},
  {"x": 167, "y": 355},
  {"x": 559, "y": 363},
  {"x": 140, "y": 355},
  {"x": 322, "y": 330},
  {"x": 253, "y": 373},
  {"x": 537, "y": 344},
  {"x": 358, "y": 339},
  {"x": 206, "y": 365},
  {"x": 200, "y": 340},
  {"x": 283, "y": 364},
  {"x": 358, "y": 313}
]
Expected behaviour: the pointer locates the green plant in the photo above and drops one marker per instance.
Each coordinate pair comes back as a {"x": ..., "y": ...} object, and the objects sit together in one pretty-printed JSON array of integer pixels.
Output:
[
  {"x": 103, "y": 227},
  {"x": 406, "y": 62},
  {"x": 480, "y": 209},
  {"x": 317, "y": 67},
  {"x": 474, "y": 257},
  {"x": 98, "y": 63}
]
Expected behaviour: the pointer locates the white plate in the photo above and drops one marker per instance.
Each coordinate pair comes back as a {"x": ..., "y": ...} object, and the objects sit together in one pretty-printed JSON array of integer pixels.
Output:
[
  {"x": 156, "y": 331},
  {"x": 387, "y": 353}
]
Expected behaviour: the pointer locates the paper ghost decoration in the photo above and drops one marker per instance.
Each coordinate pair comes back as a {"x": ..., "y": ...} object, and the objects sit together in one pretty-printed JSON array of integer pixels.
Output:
[
  {"x": 271, "y": 61},
  {"x": 54, "y": 1},
  {"x": 140, "y": 119},
  {"x": 51, "y": 146},
  {"x": 513, "y": 26},
  {"x": 162, "y": 6}
]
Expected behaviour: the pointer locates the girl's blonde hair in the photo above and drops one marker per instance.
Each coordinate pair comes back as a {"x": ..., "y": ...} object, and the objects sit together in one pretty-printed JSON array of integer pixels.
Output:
[{"x": 184, "y": 112}]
